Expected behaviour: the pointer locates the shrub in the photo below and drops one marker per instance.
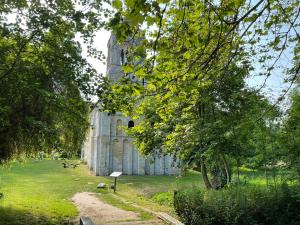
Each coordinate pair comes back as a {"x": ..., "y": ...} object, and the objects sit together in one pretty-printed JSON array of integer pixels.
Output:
[
  {"x": 163, "y": 198},
  {"x": 239, "y": 206}
]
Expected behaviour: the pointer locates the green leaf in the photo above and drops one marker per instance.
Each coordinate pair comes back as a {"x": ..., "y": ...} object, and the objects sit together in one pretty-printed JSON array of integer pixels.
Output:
[{"x": 117, "y": 4}]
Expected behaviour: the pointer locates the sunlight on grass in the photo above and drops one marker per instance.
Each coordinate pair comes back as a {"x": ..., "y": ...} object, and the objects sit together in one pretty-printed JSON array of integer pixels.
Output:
[{"x": 39, "y": 192}]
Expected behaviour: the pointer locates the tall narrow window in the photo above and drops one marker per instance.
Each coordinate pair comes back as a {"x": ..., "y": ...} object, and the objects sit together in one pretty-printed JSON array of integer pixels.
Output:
[
  {"x": 126, "y": 58},
  {"x": 122, "y": 57},
  {"x": 130, "y": 124}
]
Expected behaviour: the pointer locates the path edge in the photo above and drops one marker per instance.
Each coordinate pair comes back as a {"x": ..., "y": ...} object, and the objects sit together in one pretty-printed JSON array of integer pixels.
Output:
[{"x": 160, "y": 215}]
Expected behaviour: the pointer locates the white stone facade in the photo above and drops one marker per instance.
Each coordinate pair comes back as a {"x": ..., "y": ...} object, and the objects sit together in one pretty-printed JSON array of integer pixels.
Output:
[{"x": 107, "y": 148}]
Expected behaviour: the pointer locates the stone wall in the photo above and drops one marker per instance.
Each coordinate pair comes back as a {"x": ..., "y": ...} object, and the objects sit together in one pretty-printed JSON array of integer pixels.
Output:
[{"x": 108, "y": 149}]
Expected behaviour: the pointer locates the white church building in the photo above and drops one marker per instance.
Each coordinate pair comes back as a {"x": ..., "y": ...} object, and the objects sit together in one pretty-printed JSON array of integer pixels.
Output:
[{"x": 107, "y": 148}]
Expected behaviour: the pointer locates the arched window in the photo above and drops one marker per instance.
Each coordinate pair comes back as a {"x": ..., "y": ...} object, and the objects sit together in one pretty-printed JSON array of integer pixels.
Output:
[
  {"x": 130, "y": 124},
  {"x": 119, "y": 127},
  {"x": 126, "y": 58},
  {"x": 122, "y": 57}
]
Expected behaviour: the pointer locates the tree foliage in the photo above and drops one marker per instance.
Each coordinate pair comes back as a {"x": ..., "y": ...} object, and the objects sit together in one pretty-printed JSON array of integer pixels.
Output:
[
  {"x": 44, "y": 79},
  {"x": 196, "y": 57},
  {"x": 290, "y": 133}
]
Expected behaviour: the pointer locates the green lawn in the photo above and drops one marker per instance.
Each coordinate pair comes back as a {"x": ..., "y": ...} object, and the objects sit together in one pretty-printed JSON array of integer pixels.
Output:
[
  {"x": 158, "y": 189},
  {"x": 39, "y": 192}
]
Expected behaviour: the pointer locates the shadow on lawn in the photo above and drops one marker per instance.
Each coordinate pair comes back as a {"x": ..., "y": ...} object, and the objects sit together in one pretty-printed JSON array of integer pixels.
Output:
[{"x": 11, "y": 216}]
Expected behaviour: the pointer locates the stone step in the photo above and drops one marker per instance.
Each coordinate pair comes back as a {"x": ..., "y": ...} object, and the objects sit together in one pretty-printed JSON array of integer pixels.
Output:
[{"x": 170, "y": 219}]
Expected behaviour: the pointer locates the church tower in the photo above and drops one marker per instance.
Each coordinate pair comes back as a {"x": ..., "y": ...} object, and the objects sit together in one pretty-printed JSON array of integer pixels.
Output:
[
  {"x": 107, "y": 147},
  {"x": 115, "y": 58}
]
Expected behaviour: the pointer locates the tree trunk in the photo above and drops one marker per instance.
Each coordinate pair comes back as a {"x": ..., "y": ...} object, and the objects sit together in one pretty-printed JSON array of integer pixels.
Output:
[
  {"x": 227, "y": 169},
  {"x": 238, "y": 170},
  {"x": 266, "y": 172},
  {"x": 204, "y": 174}
]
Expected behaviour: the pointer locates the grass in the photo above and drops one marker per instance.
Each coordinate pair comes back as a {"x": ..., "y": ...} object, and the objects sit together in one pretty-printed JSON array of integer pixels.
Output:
[
  {"x": 144, "y": 190},
  {"x": 257, "y": 177},
  {"x": 113, "y": 200},
  {"x": 149, "y": 185},
  {"x": 39, "y": 192}
]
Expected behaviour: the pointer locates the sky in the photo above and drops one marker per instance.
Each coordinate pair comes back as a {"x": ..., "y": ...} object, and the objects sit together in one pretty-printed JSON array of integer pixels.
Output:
[{"x": 100, "y": 43}]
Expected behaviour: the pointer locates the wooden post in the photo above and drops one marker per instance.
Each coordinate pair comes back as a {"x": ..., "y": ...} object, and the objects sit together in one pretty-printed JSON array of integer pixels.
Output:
[{"x": 115, "y": 185}]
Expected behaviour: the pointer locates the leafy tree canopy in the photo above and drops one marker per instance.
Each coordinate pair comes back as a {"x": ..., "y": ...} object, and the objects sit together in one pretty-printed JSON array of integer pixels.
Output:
[
  {"x": 44, "y": 80},
  {"x": 290, "y": 132},
  {"x": 196, "y": 56}
]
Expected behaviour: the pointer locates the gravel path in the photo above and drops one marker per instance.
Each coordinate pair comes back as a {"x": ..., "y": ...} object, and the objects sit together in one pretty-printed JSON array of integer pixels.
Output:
[{"x": 102, "y": 213}]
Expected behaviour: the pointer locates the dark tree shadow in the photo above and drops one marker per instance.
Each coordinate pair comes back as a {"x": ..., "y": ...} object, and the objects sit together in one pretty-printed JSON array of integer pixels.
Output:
[{"x": 11, "y": 216}]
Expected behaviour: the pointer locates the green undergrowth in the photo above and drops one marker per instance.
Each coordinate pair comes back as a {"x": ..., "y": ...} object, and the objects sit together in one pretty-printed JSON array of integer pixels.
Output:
[
  {"x": 163, "y": 198},
  {"x": 239, "y": 205}
]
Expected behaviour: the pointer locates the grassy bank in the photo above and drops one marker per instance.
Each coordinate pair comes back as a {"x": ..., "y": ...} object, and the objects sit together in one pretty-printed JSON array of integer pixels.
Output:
[{"x": 39, "y": 192}]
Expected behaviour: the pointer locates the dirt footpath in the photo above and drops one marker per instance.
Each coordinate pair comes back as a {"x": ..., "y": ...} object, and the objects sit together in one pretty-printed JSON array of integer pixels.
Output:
[
  {"x": 99, "y": 212},
  {"x": 102, "y": 213}
]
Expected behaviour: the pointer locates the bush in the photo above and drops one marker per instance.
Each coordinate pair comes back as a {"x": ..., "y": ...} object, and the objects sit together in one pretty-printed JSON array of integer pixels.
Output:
[
  {"x": 163, "y": 198},
  {"x": 239, "y": 206}
]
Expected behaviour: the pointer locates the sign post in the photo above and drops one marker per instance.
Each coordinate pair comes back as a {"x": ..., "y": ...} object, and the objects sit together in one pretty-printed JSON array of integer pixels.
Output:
[{"x": 115, "y": 175}]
